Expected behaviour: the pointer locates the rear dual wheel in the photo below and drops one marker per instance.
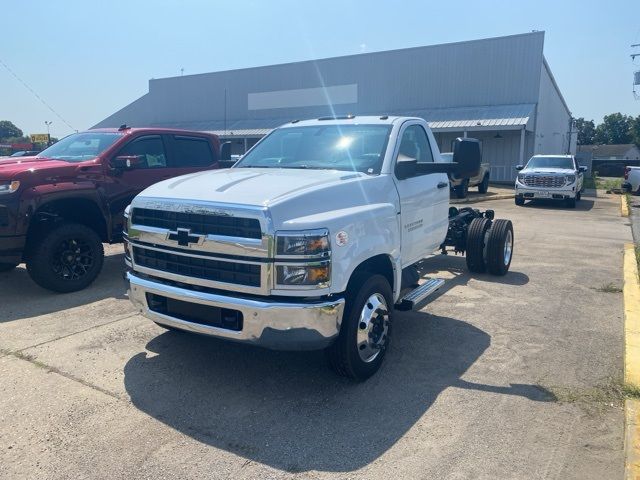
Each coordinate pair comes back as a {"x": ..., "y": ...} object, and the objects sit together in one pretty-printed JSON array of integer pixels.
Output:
[{"x": 489, "y": 246}]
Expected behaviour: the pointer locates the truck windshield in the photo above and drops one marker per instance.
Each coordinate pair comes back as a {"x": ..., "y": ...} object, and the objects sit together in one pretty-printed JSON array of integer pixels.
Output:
[
  {"x": 357, "y": 148},
  {"x": 80, "y": 146},
  {"x": 550, "y": 162}
]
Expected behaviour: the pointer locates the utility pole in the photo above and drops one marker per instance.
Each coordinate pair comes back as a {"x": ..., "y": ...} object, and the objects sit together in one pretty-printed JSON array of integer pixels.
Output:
[
  {"x": 48, "y": 123},
  {"x": 636, "y": 74}
]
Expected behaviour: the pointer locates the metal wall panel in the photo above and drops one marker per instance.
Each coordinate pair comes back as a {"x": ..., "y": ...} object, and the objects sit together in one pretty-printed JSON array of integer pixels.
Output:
[{"x": 495, "y": 71}]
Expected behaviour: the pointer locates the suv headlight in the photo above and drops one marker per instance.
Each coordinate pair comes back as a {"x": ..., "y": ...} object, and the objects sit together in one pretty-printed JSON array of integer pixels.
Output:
[
  {"x": 521, "y": 177},
  {"x": 570, "y": 179},
  {"x": 307, "y": 254},
  {"x": 9, "y": 187}
]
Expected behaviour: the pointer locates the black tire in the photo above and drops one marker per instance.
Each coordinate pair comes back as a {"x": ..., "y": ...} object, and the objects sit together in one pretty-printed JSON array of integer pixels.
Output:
[
  {"x": 475, "y": 244},
  {"x": 344, "y": 355},
  {"x": 7, "y": 267},
  {"x": 571, "y": 202},
  {"x": 500, "y": 243},
  {"x": 462, "y": 189},
  {"x": 484, "y": 185},
  {"x": 519, "y": 201},
  {"x": 578, "y": 196},
  {"x": 67, "y": 259}
]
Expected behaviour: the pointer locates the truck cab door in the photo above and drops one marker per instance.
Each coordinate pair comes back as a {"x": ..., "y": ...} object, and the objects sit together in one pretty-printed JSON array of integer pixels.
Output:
[
  {"x": 424, "y": 198},
  {"x": 150, "y": 166}
]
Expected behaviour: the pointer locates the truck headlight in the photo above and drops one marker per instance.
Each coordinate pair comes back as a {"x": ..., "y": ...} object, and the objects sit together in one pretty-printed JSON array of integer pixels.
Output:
[
  {"x": 570, "y": 179},
  {"x": 125, "y": 224},
  {"x": 307, "y": 243},
  {"x": 314, "y": 274},
  {"x": 520, "y": 177},
  {"x": 9, "y": 187}
]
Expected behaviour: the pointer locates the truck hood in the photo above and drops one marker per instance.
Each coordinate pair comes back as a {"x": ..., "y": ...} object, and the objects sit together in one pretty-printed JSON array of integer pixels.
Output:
[
  {"x": 248, "y": 186},
  {"x": 12, "y": 166},
  {"x": 549, "y": 171}
]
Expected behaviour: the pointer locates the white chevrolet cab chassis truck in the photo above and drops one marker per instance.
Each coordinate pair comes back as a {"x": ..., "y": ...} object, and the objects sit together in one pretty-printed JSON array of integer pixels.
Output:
[{"x": 311, "y": 240}]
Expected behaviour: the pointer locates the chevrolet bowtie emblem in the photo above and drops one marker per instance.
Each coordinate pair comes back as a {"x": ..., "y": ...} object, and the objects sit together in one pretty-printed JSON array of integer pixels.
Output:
[{"x": 183, "y": 237}]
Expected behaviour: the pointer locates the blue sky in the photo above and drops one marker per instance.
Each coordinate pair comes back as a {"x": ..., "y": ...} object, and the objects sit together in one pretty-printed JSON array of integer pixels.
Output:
[{"x": 88, "y": 59}]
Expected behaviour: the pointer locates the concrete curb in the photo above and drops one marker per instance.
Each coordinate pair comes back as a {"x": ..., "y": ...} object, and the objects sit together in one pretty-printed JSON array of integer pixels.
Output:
[
  {"x": 624, "y": 206},
  {"x": 632, "y": 439},
  {"x": 631, "y": 293},
  {"x": 500, "y": 196}
]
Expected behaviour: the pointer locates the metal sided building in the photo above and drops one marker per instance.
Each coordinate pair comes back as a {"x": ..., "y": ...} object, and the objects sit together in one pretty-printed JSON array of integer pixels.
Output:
[{"x": 500, "y": 90}]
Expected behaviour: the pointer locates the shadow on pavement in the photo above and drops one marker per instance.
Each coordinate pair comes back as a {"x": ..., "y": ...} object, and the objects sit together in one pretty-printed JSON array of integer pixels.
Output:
[
  {"x": 287, "y": 410},
  {"x": 20, "y": 297},
  {"x": 583, "y": 205}
]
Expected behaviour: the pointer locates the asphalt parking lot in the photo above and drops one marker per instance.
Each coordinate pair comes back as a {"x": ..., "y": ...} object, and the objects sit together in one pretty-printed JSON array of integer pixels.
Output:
[{"x": 497, "y": 378}]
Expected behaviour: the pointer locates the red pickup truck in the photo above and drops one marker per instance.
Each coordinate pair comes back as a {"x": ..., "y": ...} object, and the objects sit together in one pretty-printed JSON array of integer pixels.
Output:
[{"x": 57, "y": 208}]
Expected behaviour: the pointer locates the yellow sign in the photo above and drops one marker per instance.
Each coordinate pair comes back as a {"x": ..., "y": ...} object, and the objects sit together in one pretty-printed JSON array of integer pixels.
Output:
[{"x": 40, "y": 138}]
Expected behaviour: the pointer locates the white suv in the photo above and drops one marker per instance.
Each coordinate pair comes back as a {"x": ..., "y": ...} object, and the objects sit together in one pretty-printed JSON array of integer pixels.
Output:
[{"x": 551, "y": 177}]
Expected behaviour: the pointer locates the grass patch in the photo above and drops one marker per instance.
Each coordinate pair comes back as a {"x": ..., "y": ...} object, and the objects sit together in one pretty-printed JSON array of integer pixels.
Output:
[
  {"x": 611, "y": 287},
  {"x": 612, "y": 394}
]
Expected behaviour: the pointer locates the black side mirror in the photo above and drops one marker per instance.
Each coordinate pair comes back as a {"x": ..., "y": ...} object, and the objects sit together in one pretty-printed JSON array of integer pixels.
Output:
[
  {"x": 467, "y": 156},
  {"x": 127, "y": 162},
  {"x": 406, "y": 168},
  {"x": 519, "y": 167},
  {"x": 582, "y": 169},
  {"x": 225, "y": 151}
]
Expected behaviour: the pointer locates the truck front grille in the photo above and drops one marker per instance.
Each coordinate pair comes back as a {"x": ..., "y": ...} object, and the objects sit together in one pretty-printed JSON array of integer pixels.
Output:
[
  {"x": 198, "y": 223},
  {"x": 197, "y": 267},
  {"x": 543, "y": 181}
]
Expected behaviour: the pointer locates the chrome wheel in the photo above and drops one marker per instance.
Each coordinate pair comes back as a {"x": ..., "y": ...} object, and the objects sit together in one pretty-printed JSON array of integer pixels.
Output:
[
  {"x": 508, "y": 247},
  {"x": 373, "y": 328}
]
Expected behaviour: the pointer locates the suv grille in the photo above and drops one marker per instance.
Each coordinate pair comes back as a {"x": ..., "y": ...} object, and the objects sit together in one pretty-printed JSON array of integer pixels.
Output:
[
  {"x": 545, "y": 181},
  {"x": 198, "y": 223},
  {"x": 215, "y": 270}
]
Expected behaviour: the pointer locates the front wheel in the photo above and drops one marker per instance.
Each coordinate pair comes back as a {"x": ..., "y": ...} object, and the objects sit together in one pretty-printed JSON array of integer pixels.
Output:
[
  {"x": 462, "y": 189},
  {"x": 67, "y": 259},
  {"x": 578, "y": 196},
  {"x": 483, "y": 187},
  {"x": 7, "y": 267},
  {"x": 571, "y": 202},
  {"x": 365, "y": 332},
  {"x": 519, "y": 201}
]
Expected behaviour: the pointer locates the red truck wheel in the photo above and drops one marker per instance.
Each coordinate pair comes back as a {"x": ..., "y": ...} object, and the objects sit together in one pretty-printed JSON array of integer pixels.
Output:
[{"x": 68, "y": 258}]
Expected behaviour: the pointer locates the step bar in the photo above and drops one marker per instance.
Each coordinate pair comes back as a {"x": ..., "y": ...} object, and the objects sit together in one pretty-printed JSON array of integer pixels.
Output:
[{"x": 419, "y": 297}]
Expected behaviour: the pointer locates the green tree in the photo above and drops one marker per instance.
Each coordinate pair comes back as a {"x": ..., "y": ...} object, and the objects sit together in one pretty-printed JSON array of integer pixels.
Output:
[
  {"x": 586, "y": 131},
  {"x": 635, "y": 130},
  {"x": 9, "y": 130},
  {"x": 614, "y": 129}
]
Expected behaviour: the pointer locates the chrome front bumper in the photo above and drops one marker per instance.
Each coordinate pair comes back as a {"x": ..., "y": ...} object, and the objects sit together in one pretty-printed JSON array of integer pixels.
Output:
[
  {"x": 550, "y": 193},
  {"x": 279, "y": 325}
]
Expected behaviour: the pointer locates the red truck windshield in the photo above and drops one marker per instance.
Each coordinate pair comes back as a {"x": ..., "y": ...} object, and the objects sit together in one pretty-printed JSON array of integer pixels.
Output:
[{"x": 80, "y": 146}]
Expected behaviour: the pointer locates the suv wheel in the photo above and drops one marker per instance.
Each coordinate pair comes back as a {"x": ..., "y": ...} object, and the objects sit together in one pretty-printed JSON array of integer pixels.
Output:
[
  {"x": 571, "y": 202},
  {"x": 462, "y": 189},
  {"x": 578, "y": 196},
  {"x": 67, "y": 259},
  {"x": 365, "y": 332},
  {"x": 519, "y": 201},
  {"x": 483, "y": 187}
]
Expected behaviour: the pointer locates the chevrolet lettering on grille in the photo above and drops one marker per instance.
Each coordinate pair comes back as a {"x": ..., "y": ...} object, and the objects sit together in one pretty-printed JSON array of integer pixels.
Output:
[{"x": 184, "y": 237}]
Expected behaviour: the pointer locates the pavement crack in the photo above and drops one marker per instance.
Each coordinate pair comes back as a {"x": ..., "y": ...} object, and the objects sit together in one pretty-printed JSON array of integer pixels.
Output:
[
  {"x": 32, "y": 360},
  {"x": 74, "y": 333}
]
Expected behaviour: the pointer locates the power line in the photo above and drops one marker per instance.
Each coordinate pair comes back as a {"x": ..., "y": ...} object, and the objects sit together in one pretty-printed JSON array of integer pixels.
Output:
[{"x": 35, "y": 94}]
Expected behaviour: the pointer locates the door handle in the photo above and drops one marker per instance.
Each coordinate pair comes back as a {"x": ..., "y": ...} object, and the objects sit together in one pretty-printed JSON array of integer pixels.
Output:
[{"x": 442, "y": 184}]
